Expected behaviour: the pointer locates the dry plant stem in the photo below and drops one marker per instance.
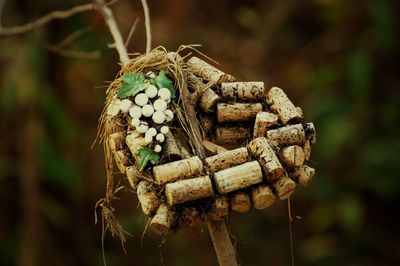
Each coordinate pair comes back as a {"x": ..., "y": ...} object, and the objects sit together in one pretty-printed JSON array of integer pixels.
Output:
[
  {"x": 46, "y": 19},
  {"x": 108, "y": 17},
  {"x": 223, "y": 247},
  {"x": 131, "y": 32},
  {"x": 226, "y": 254},
  {"x": 148, "y": 26}
]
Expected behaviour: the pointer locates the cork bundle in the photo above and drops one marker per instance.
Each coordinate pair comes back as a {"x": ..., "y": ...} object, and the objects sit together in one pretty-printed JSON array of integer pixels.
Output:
[{"x": 228, "y": 145}]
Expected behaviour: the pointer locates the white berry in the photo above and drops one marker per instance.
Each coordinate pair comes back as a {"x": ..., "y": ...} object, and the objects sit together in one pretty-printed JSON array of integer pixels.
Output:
[
  {"x": 150, "y": 74},
  {"x": 164, "y": 94},
  {"x": 164, "y": 129},
  {"x": 147, "y": 110},
  {"x": 157, "y": 148},
  {"x": 158, "y": 117},
  {"x": 124, "y": 105},
  {"x": 160, "y": 137},
  {"x": 135, "y": 122},
  {"x": 160, "y": 105},
  {"x": 151, "y": 132},
  {"x": 135, "y": 111},
  {"x": 141, "y": 99},
  {"x": 142, "y": 127},
  {"x": 169, "y": 115},
  {"x": 148, "y": 139},
  {"x": 151, "y": 91}
]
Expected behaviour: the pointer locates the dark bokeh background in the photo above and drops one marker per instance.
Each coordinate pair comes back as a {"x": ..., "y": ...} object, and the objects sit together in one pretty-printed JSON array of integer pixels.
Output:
[{"x": 337, "y": 59}]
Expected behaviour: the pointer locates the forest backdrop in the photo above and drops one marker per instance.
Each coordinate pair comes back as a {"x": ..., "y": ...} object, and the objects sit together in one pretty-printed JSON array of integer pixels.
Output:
[{"x": 337, "y": 59}]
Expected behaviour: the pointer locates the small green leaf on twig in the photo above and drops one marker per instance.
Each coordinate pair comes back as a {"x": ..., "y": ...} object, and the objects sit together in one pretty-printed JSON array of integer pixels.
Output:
[
  {"x": 147, "y": 155},
  {"x": 132, "y": 85},
  {"x": 163, "y": 81}
]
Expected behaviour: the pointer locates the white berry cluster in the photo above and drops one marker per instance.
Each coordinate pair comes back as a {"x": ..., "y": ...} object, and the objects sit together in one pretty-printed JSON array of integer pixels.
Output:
[{"x": 150, "y": 108}]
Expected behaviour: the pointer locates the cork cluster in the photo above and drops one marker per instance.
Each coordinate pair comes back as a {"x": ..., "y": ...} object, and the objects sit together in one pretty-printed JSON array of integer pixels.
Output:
[{"x": 257, "y": 147}]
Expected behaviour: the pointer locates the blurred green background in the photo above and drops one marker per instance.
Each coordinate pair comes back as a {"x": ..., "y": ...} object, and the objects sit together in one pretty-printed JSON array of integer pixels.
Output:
[{"x": 337, "y": 59}]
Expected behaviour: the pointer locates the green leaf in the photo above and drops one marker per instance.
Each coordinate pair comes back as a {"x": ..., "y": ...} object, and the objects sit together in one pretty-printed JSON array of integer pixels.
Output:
[
  {"x": 163, "y": 81},
  {"x": 132, "y": 85},
  {"x": 147, "y": 155}
]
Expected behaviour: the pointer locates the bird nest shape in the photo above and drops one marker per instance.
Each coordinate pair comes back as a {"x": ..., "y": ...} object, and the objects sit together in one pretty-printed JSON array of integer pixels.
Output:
[{"x": 196, "y": 143}]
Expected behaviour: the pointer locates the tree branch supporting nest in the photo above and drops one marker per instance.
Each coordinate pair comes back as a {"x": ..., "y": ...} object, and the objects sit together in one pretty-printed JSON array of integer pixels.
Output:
[{"x": 46, "y": 19}]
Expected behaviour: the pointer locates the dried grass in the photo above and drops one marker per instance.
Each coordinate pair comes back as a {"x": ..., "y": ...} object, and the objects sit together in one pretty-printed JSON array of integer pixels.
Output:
[{"x": 158, "y": 59}]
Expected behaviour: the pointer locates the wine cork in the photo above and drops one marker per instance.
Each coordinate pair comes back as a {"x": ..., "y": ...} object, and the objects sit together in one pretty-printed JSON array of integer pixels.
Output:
[
  {"x": 219, "y": 209},
  {"x": 113, "y": 107},
  {"x": 206, "y": 123},
  {"x": 182, "y": 169},
  {"x": 163, "y": 220},
  {"x": 121, "y": 158},
  {"x": 213, "y": 148},
  {"x": 189, "y": 217},
  {"x": 262, "y": 197},
  {"x": 292, "y": 156},
  {"x": 265, "y": 155},
  {"x": 232, "y": 135},
  {"x": 252, "y": 91},
  {"x": 135, "y": 141},
  {"x": 206, "y": 71},
  {"x": 240, "y": 202},
  {"x": 208, "y": 100},
  {"x": 238, "y": 177},
  {"x": 116, "y": 141},
  {"x": 307, "y": 150},
  {"x": 302, "y": 174},
  {"x": 284, "y": 187},
  {"x": 132, "y": 176},
  {"x": 171, "y": 149},
  {"x": 147, "y": 197},
  {"x": 237, "y": 112},
  {"x": 227, "y": 159},
  {"x": 188, "y": 190},
  {"x": 310, "y": 133},
  {"x": 280, "y": 104},
  {"x": 195, "y": 83},
  {"x": 288, "y": 135},
  {"x": 264, "y": 121}
]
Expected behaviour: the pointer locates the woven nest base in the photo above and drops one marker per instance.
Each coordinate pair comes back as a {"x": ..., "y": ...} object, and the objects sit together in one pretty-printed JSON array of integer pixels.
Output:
[{"x": 228, "y": 144}]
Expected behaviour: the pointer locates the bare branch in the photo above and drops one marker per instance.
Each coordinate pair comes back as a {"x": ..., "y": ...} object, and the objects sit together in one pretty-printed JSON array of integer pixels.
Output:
[
  {"x": 148, "y": 26},
  {"x": 131, "y": 32},
  {"x": 73, "y": 53},
  {"x": 72, "y": 37},
  {"x": 108, "y": 16},
  {"x": 46, "y": 19}
]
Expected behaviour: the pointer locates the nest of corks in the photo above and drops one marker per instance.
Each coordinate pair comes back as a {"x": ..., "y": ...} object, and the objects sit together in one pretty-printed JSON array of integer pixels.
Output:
[{"x": 195, "y": 143}]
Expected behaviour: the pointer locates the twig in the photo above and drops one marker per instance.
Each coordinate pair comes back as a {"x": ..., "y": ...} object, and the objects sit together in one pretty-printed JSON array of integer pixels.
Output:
[
  {"x": 72, "y": 37},
  {"x": 128, "y": 39},
  {"x": 73, "y": 53},
  {"x": 108, "y": 16},
  {"x": 46, "y": 19},
  {"x": 148, "y": 26}
]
